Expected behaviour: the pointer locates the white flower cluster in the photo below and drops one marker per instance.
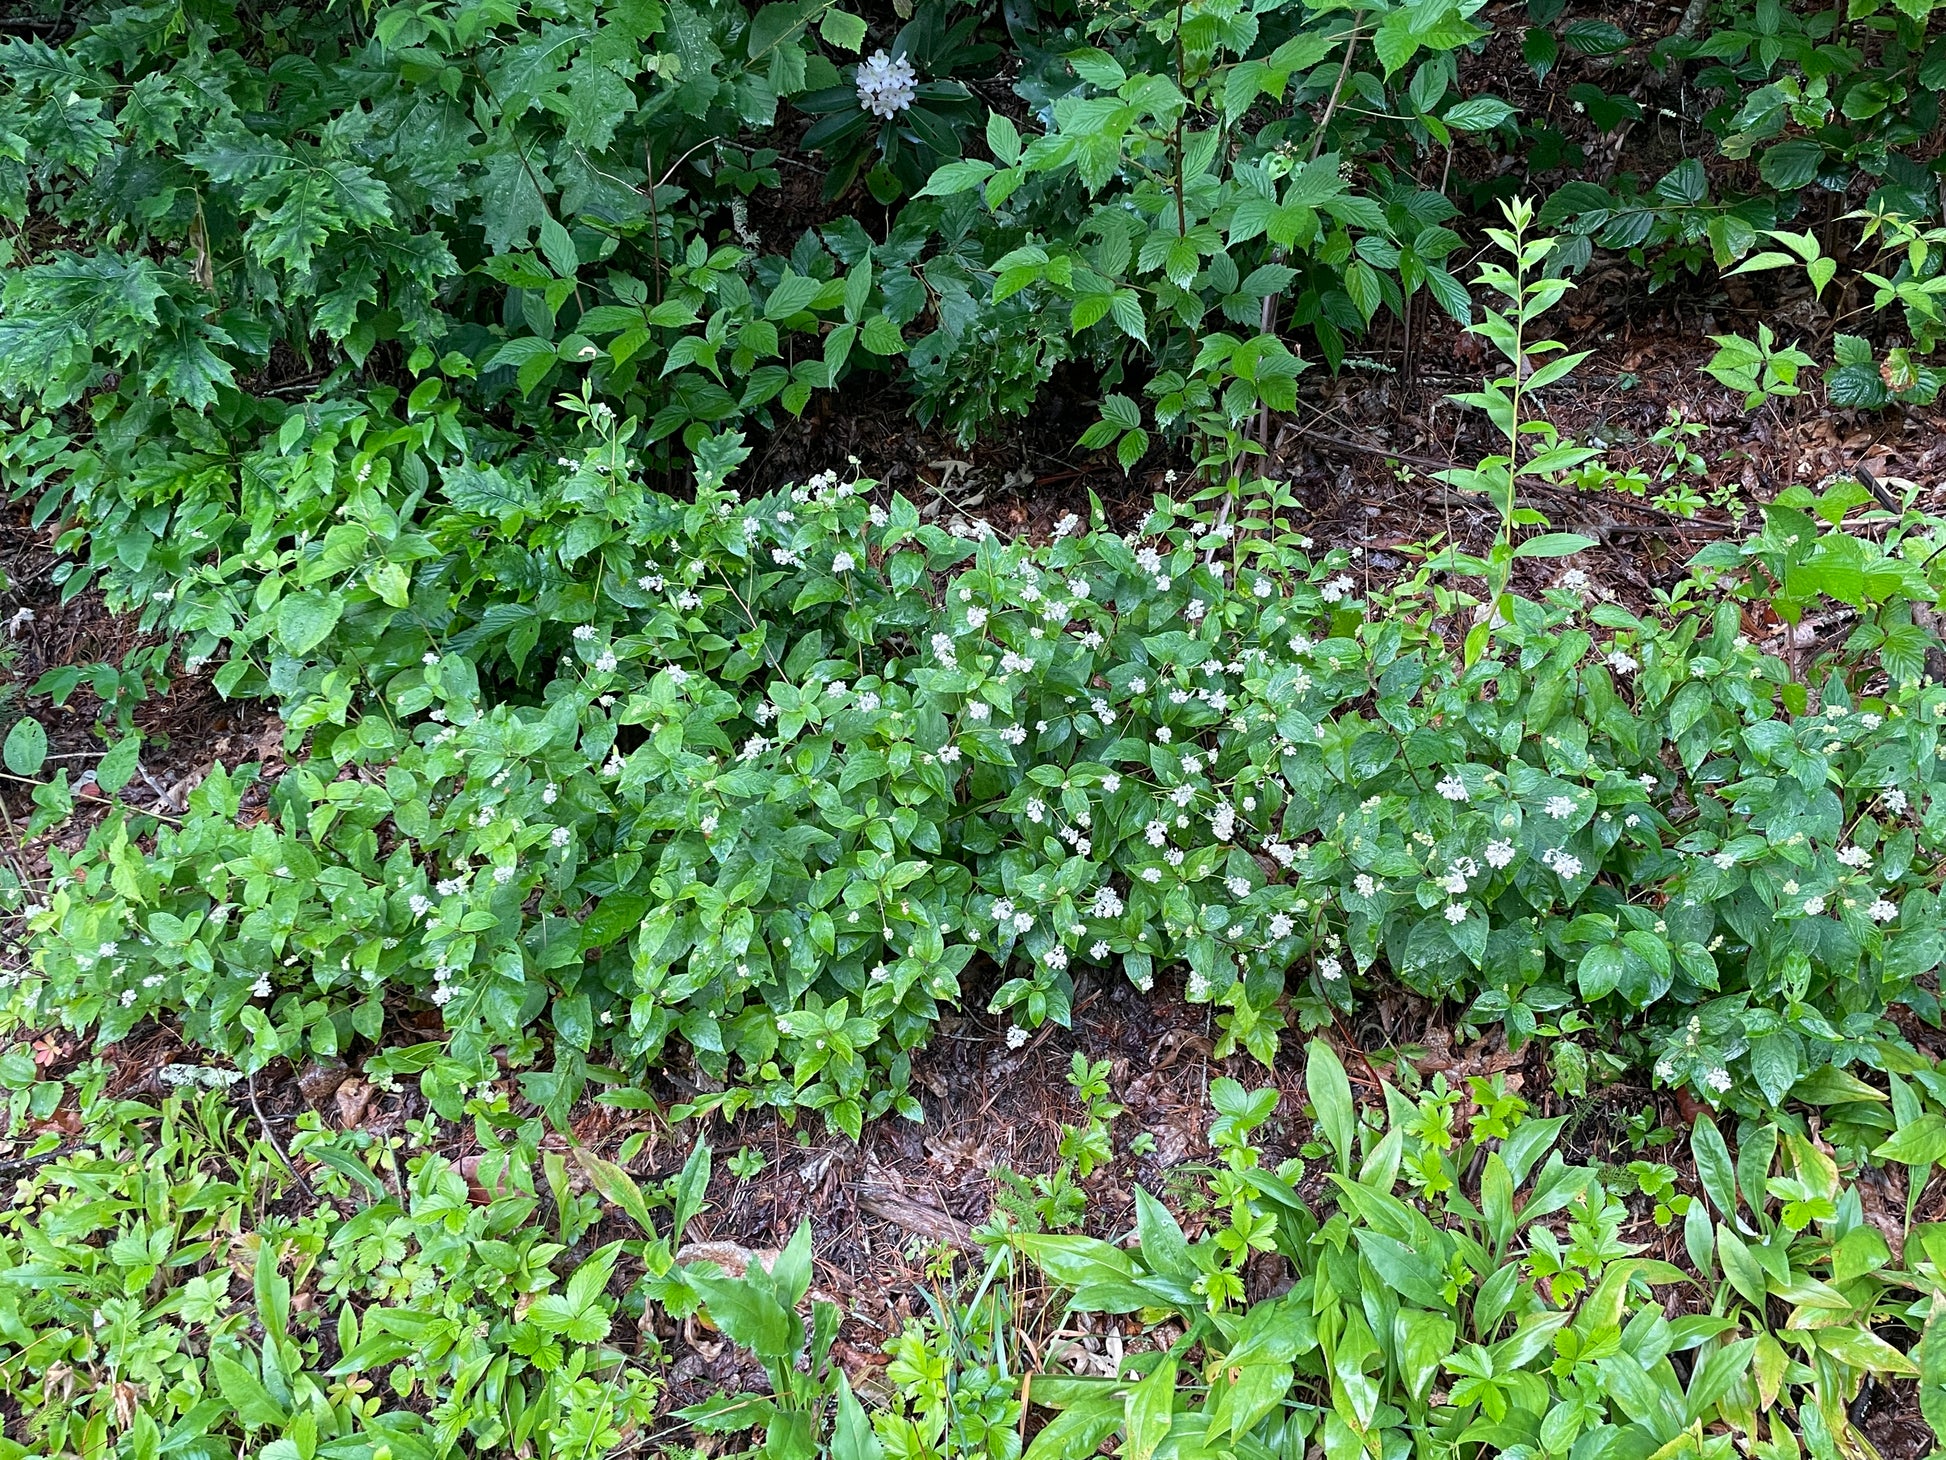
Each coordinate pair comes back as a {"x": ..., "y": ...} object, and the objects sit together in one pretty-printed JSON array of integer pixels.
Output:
[
  {"x": 1565, "y": 866},
  {"x": 886, "y": 86}
]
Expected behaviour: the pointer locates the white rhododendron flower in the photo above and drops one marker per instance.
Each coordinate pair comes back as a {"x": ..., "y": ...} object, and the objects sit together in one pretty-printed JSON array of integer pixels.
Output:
[{"x": 886, "y": 86}]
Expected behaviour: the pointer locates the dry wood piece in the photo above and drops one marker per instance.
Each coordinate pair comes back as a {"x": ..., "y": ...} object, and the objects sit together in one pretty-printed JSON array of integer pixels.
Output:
[{"x": 922, "y": 1219}]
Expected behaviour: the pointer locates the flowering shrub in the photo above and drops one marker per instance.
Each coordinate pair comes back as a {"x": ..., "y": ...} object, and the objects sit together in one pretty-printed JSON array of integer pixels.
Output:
[{"x": 756, "y": 781}]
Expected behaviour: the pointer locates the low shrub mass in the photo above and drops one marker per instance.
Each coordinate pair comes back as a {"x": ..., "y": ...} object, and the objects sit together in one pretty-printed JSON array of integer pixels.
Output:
[{"x": 768, "y": 774}]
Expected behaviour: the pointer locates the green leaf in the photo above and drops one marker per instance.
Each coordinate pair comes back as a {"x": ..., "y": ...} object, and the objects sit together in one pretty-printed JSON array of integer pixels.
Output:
[
  {"x": 956, "y": 177},
  {"x": 1003, "y": 138},
  {"x": 1863, "y": 1349},
  {"x": 1076, "y": 1261},
  {"x": 304, "y": 620},
  {"x": 1713, "y": 1166},
  {"x": 1684, "y": 183},
  {"x": 1096, "y": 67},
  {"x": 558, "y": 248},
  {"x": 1932, "y": 1370},
  {"x": 1791, "y": 165},
  {"x": 749, "y": 1315},
  {"x": 1394, "y": 42},
  {"x": 852, "y": 1436},
  {"x": 117, "y": 768},
  {"x": 792, "y": 294},
  {"x": 1554, "y": 545},
  {"x": 26, "y": 747},
  {"x": 842, "y": 29},
  {"x": 253, "y": 1403},
  {"x": 1743, "y": 1270},
  {"x": 1330, "y": 1095},
  {"x": 1425, "y": 1342},
  {"x": 1477, "y": 114},
  {"x": 1148, "y": 1411},
  {"x": 1599, "y": 971},
  {"x": 1539, "y": 50},
  {"x": 487, "y": 491},
  {"x": 1920, "y": 1142},
  {"x": 1164, "y": 1248},
  {"x": 1595, "y": 37}
]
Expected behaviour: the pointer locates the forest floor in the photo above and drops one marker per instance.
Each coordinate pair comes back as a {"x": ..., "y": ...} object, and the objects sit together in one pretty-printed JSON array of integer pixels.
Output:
[
  {"x": 1357, "y": 455},
  {"x": 883, "y": 1209}
]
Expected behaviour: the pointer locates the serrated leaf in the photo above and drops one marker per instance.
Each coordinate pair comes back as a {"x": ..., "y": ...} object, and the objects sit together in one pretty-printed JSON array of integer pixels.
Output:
[
  {"x": 842, "y": 29},
  {"x": 557, "y": 247}
]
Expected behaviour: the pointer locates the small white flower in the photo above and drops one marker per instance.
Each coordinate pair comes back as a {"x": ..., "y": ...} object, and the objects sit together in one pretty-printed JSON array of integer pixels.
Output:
[
  {"x": 1560, "y": 807},
  {"x": 1003, "y": 910},
  {"x": 1855, "y": 857},
  {"x": 1725, "y": 860},
  {"x": 842, "y": 563},
  {"x": 1452, "y": 788},
  {"x": 1895, "y": 802},
  {"x": 1813, "y": 905},
  {"x": 1107, "y": 903},
  {"x": 1882, "y": 911},
  {"x": 1456, "y": 912},
  {"x": 1718, "y": 1080},
  {"x": 560, "y": 837},
  {"x": 1098, "y": 950},
  {"x": 1330, "y": 970},
  {"x": 1790, "y": 888},
  {"x": 1499, "y": 854},
  {"x": 1364, "y": 885},
  {"x": 1016, "y": 1037},
  {"x": 261, "y": 988},
  {"x": 1870, "y": 721},
  {"x": 1454, "y": 883},
  {"x": 584, "y": 632},
  {"x": 1239, "y": 886},
  {"x": 1621, "y": 661}
]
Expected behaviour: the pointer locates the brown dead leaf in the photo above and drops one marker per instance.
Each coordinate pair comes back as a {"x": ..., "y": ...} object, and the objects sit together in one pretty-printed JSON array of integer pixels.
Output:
[{"x": 354, "y": 1100}]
